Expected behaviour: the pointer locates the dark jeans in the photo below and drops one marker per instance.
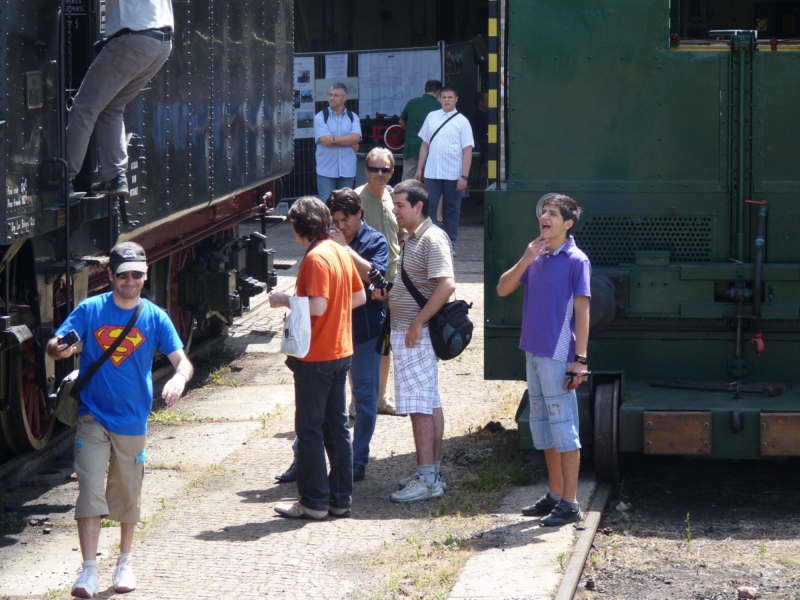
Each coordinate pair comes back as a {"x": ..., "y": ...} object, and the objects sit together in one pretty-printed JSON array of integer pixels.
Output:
[
  {"x": 320, "y": 422},
  {"x": 366, "y": 373},
  {"x": 451, "y": 211}
]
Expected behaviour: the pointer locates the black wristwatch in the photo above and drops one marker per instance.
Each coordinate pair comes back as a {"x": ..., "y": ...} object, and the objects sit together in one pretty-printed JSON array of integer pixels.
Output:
[
  {"x": 465, "y": 178},
  {"x": 579, "y": 359}
]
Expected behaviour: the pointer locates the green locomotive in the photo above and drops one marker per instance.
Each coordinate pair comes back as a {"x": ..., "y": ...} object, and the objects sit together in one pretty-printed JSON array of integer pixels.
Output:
[{"x": 674, "y": 124}]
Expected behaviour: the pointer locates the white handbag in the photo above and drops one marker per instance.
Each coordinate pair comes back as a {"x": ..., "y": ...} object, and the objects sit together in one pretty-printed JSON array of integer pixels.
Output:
[{"x": 297, "y": 328}]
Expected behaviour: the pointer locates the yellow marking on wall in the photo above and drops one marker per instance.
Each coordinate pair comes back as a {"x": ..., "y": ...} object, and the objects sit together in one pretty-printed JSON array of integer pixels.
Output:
[
  {"x": 492, "y": 169},
  {"x": 492, "y": 27},
  {"x": 492, "y": 98},
  {"x": 492, "y": 134},
  {"x": 493, "y": 63}
]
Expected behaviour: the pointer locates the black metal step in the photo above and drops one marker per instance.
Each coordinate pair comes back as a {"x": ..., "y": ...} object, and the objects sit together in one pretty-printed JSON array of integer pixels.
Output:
[{"x": 284, "y": 264}]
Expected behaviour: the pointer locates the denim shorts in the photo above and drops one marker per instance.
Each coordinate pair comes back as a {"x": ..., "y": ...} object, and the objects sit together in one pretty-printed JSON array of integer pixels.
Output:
[{"x": 554, "y": 409}]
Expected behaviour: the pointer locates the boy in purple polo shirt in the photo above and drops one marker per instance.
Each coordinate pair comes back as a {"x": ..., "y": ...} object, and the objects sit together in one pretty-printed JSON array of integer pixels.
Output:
[{"x": 555, "y": 333}]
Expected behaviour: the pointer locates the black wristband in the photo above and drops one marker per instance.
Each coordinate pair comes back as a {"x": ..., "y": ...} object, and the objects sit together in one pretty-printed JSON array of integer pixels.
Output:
[{"x": 580, "y": 359}]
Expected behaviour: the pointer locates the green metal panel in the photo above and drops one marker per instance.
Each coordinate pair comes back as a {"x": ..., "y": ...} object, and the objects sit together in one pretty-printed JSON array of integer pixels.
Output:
[{"x": 598, "y": 101}]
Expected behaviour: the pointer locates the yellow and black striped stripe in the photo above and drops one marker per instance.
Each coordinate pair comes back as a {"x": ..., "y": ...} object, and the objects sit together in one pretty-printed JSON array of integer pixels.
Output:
[{"x": 494, "y": 89}]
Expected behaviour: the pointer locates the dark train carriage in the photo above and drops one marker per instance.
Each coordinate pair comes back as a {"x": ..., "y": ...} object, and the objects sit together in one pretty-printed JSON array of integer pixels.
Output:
[
  {"x": 674, "y": 124},
  {"x": 206, "y": 140}
]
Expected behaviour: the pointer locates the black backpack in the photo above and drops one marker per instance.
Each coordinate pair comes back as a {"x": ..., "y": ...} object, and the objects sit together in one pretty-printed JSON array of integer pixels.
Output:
[{"x": 326, "y": 112}]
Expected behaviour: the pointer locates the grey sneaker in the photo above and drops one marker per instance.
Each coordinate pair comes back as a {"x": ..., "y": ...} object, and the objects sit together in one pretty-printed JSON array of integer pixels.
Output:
[
  {"x": 86, "y": 585},
  {"x": 417, "y": 490},
  {"x": 297, "y": 510},
  {"x": 124, "y": 579},
  {"x": 406, "y": 480},
  {"x": 117, "y": 186}
]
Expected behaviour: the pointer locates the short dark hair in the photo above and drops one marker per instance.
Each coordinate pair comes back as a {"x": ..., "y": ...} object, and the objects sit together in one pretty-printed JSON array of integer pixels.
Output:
[
  {"x": 449, "y": 88},
  {"x": 415, "y": 192},
  {"x": 339, "y": 86},
  {"x": 310, "y": 218},
  {"x": 568, "y": 208},
  {"x": 345, "y": 200},
  {"x": 432, "y": 86}
]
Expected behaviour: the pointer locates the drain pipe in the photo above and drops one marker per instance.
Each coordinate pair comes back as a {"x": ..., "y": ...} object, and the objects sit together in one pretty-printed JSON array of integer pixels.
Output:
[{"x": 758, "y": 269}]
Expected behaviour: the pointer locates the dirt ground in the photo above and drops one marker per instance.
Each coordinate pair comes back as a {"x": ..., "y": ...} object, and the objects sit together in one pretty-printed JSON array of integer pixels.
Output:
[{"x": 699, "y": 530}]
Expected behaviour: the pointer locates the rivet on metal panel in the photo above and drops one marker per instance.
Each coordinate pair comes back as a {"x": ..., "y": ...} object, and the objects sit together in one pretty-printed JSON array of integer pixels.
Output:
[
  {"x": 649, "y": 423},
  {"x": 763, "y": 444},
  {"x": 763, "y": 425},
  {"x": 706, "y": 425},
  {"x": 649, "y": 443},
  {"x": 705, "y": 444}
]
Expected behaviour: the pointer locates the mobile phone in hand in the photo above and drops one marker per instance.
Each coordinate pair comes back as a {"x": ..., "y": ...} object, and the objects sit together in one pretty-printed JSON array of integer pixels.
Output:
[
  {"x": 569, "y": 381},
  {"x": 70, "y": 339}
]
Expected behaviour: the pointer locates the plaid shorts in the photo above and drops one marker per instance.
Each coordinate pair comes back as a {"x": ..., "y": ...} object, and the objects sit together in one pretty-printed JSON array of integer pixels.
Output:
[{"x": 416, "y": 375}]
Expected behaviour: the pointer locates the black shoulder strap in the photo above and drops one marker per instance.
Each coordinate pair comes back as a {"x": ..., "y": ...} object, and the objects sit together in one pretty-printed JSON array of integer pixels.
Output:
[
  {"x": 412, "y": 289},
  {"x": 79, "y": 385},
  {"x": 455, "y": 114},
  {"x": 326, "y": 112}
]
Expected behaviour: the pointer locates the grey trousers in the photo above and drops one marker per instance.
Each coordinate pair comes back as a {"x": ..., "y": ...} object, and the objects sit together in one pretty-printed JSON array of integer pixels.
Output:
[{"x": 114, "y": 78}]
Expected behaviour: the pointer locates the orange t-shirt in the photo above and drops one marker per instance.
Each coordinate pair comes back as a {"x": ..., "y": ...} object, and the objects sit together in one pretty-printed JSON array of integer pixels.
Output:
[{"x": 328, "y": 272}]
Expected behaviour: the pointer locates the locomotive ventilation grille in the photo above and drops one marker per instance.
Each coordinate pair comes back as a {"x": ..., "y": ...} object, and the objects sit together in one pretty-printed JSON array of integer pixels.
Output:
[{"x": 609, "y": 240}]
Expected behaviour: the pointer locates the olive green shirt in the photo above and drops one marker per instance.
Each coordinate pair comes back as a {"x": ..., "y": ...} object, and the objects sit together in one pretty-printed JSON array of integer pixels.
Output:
[{"x": 378, "y": 214}]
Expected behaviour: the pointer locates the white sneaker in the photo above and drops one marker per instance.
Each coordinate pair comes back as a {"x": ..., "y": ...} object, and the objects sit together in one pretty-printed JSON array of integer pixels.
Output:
[
  {"x": 417, "y": 490},
  {"x": 297, "y": 510},
  {"x": 406, "y": 480},
  {"x": 124, "y": 579},
  {"x": 86, "y": 585},
  {"x": 386, "y": 406}
]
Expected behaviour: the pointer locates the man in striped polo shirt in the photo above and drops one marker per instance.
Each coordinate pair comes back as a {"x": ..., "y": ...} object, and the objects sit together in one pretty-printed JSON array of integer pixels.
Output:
[
  {"x": 445, "y": 159},
  {"x": 554, "y": 337},
  {"x": 427, "y": 261}
]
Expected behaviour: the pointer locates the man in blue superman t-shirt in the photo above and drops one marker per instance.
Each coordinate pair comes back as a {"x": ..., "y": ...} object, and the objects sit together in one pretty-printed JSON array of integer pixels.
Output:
[{"x": 115, "y": 404}]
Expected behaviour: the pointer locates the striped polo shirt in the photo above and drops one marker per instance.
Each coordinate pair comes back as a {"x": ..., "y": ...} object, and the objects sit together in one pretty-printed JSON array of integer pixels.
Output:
[
  {"x": 445, "y": 159},
  {"x": 426, "y": 256}
]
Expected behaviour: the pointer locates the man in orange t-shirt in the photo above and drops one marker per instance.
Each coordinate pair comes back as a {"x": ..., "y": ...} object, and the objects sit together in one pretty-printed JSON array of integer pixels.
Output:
[{"x": 331, "y": 283}]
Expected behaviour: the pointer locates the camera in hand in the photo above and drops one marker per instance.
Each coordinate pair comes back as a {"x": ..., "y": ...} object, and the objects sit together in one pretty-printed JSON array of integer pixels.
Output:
[
  {"x": 378, "y": 281},
  {"x": 70, "y": 338}
]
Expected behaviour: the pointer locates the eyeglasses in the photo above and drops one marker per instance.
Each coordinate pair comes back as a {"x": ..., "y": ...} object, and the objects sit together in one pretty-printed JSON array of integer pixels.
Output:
[
  {"x": 126, "y": 274},
  {"x": 384, "y": 170}
]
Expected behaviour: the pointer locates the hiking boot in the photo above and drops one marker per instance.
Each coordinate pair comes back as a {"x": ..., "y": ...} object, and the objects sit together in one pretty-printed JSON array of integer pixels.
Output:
[
  {"x": 417, "y": 490},
  {"x": 289, "y": 474},
  {"x": 124, "y": 579},
  {"x": 562, "y": 514},
  {"x": 359, "y": 472},
  {"x": 406, "y": 480},
  {"x": 542, "y": 507},
  {"x": 297, "y": 510},
  {"x": 117, "y": 186},
  {"x": 341, "y": 513},
  {"x": 86, "y": 585},
  {"x": 386, "y": 406}
]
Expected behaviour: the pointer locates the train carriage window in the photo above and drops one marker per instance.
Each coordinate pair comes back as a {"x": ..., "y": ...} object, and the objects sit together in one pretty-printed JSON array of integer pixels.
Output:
[{"x": 693, "y": 23}]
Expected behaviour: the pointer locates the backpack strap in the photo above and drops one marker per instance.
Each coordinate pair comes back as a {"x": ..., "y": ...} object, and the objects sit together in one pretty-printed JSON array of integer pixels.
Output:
[{"x": 326, "y": 112}]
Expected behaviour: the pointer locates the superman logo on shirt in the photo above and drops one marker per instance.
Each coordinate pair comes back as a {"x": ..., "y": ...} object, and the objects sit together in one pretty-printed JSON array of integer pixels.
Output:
[{"x": 108, "y": 334}]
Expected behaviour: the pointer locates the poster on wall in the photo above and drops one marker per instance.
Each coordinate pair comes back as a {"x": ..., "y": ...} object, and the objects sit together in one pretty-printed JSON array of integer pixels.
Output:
[
  {"x": 387, "y": 80},
  {"x": 304, "y": 97}
]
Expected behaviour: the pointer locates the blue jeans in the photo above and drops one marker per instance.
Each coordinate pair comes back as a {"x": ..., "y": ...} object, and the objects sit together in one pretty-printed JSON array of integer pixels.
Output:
[
  {"x": 365, "y": 370},
  {"x": 325, "y": 185},
  {"x": 320, "y": 422},
  {"x": 451, "y": 211},
  {"x": 554, "y": 409}
]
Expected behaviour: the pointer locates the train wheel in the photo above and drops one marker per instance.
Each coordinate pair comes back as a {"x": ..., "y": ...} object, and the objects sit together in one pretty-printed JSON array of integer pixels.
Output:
[
  {"x": 606, "y": 431},
  {"x": 27, "y": 424}
]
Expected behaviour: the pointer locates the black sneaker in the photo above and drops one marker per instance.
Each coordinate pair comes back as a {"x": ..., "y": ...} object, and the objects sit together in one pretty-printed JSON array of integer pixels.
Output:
[
  {"x": 289, "y": 474},
  {"x": 542, "y": 507},
  {"x": 117, "y": 186},
  {"x": 562, "y": 514},
  {"x": 359, "y": 472}
]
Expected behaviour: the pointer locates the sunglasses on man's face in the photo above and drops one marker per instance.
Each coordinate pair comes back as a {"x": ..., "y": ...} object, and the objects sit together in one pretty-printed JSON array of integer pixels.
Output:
[
  {"x": 384, "y": 170},
  {"x": 126, "y": 274}
]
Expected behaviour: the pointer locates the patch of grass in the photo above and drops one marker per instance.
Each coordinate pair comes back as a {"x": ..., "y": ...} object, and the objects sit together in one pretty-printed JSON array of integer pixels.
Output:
[
  {"x": 788, "y": 562},
  {"x": 107, "y": 523},
  {"x": 175, "y": 417},
  {"x": 162, "y": 466},
  {"x": 9, "y": 518},
  {"x": 56, "y": 593},
  {"x": 560, "y": 557},
  {"x": 493, "y": 477},
  {"x": 688, "y": 534}
]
